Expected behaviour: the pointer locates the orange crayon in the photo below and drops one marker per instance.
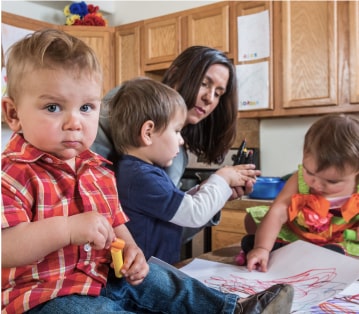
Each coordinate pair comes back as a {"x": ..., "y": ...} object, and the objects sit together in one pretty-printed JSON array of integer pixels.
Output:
[{"x": 116, "y": 253}]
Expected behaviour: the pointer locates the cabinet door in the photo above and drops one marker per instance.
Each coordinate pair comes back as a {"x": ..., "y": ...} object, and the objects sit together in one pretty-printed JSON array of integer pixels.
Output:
[
  {"x": 208, "y": 26},
  {"x": 315, "y": 63},
  {"x": 162, "y": 41},
  {"x": 128, "y": 52},
  {"x": 101, "y": 41},
  {"x": 309, "y": 53},
  {"x": 231, "y": 228},
  {"x": 354, "y": 51}
]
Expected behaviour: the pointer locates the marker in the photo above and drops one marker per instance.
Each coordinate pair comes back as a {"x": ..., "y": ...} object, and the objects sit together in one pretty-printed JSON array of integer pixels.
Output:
[
  {"x": 237, "y": 158},
  {"x": 116, "y": 253}
]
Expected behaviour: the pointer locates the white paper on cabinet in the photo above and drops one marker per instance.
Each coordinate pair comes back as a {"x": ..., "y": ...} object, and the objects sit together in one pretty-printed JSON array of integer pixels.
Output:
[
  {"x": 253, "y": 36},
  {"x": 253, "y": 86}
]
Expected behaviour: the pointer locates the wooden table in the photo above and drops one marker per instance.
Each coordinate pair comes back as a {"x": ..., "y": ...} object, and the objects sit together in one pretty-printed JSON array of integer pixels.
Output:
[{"x": 224, "y": 255}]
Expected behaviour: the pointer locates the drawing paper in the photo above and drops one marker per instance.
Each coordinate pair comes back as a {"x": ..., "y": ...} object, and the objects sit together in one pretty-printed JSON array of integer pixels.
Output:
[{"x": 317, "y": 274}]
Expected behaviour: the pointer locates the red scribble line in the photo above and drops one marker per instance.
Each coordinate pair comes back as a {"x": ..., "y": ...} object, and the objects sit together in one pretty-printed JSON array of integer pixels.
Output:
[
  {"x": 331, "y": 307},
  {"x": 304, "y": 284},
  {"x": 305, "y": 281}
]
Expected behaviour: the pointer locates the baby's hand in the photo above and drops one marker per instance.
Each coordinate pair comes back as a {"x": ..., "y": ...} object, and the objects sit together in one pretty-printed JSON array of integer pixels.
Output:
[
  {"x": 135, "y": 267},
  {"x": 258, "y": 259},
  {"x": 92, "y": 228}
]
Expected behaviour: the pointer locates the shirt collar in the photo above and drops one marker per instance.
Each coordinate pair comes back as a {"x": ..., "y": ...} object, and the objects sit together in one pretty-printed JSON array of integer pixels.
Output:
[{"x": 19, "y": 150}]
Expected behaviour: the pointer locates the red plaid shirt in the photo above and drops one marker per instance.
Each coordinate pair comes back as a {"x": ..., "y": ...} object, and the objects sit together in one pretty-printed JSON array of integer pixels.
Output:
[{"x": 35, "y": 186}]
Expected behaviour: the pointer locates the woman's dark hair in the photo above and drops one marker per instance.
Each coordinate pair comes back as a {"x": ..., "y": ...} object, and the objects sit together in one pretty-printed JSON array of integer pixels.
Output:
[{"x": 213, "y": 136}]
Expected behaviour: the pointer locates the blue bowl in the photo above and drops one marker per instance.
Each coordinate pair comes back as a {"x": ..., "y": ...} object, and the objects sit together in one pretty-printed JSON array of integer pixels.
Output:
[{"x": 267, "y": 188}]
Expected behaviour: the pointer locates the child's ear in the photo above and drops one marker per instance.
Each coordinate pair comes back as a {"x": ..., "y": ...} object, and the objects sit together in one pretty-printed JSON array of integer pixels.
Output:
[
  {"x": 146, "y": 132},
  {"x": 10, "y": 114}
]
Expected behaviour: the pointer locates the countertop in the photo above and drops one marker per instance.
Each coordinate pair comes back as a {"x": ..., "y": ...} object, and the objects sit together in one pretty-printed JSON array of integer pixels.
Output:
[{"x": 246, "y": 202}]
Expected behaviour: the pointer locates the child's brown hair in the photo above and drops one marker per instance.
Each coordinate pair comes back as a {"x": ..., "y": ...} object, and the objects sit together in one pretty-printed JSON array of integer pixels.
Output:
[
  {"x": 137, "y": 101},
  {"x": 333, "y": 140},
  {"x": 48, "y": 49}
]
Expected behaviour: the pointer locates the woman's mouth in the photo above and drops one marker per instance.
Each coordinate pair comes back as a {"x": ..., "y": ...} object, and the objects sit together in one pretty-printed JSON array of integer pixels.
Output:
[{"x": 200, "y": 110}]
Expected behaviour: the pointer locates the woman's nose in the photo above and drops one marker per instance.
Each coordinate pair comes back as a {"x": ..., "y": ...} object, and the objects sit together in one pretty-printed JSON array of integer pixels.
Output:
[{"x": 209, "y": 95}]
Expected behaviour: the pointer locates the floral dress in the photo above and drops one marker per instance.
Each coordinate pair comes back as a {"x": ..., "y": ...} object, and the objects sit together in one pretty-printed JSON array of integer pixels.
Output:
[{"x": 318, "y": 220}]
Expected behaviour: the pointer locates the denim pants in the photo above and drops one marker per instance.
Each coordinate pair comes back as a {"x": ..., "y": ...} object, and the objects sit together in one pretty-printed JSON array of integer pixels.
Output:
[{"x": 162, "y": 291}]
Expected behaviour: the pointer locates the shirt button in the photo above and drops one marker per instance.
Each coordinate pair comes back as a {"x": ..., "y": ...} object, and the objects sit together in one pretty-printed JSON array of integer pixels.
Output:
[{"x": 49, "y": 160}]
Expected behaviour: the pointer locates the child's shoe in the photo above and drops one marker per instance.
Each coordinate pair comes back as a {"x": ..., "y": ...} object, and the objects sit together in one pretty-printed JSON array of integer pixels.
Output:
[{"x": 275, "y": 300}]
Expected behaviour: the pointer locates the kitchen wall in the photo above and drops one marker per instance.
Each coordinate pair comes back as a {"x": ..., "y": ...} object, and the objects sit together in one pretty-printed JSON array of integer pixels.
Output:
[
  {"x": 280, "y": 140},
  {"x": 116, "y": 12}
]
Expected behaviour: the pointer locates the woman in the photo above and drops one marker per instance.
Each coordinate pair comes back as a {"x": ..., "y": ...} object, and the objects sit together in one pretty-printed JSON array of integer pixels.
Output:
[{"x": 206, "y": 79}]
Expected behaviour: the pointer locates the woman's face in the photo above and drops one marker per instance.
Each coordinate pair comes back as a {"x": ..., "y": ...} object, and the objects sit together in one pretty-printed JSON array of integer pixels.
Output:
[{"x": 213, "y": 86}]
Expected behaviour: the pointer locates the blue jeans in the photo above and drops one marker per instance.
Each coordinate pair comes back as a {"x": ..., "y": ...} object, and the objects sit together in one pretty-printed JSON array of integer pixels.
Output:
[{"x": 162, "y": 291}]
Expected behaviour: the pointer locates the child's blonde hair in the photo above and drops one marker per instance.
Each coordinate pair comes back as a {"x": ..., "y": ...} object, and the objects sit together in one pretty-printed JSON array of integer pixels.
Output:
[
  {"x": 333, "y": 140},
  {"x": 48, "y": 49},
  {"x": 137, "y": 101}
]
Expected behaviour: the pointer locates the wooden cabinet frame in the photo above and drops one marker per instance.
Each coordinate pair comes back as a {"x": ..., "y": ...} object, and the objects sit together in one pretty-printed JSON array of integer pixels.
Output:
[
  {"x": 354, "y": 51},
  {"x": 208, "y": 26},
  {"x": 128, "y": 51},
  {"x": 161, "y": 41}
]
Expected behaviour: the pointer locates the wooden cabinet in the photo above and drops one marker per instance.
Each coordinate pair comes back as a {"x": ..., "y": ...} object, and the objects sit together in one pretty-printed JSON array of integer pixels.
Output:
[
  {"x": 312, "y": 71},
  {"x": 208, "y": 26},
  {"x": 309, "y": 53},
  {"x": 128, "y": 51},
  {"x": 354, "y": 51},
  {"x": 231, "y": 228},
  {"x": 23, "y": 22},
  {"x": 100, "y": 39},
  {"x": 313, "y": 61},
  {"x": 161, "y": 41}
]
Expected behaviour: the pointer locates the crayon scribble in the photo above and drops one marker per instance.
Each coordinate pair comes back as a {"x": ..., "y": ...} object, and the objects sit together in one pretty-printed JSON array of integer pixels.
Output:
[{"x": 306, "y": 293}]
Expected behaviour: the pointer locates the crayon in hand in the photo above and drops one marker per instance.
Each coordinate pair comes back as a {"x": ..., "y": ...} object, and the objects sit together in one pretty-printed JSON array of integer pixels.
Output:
[{"x": 116, "y": 253}]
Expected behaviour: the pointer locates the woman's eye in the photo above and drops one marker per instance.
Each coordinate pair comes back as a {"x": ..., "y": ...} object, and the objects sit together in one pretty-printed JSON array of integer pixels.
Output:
[
  {"x": 86, "y": 108},
  {"x": 53, "y": 108}
]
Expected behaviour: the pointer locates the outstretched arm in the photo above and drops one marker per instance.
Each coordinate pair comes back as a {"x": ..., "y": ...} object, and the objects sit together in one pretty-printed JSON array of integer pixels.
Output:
[{"x": 269, "y": 228}]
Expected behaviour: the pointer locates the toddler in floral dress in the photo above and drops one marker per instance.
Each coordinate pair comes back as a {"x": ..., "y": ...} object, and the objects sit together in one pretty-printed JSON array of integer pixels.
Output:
[{"x": 323, "y": 196}]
